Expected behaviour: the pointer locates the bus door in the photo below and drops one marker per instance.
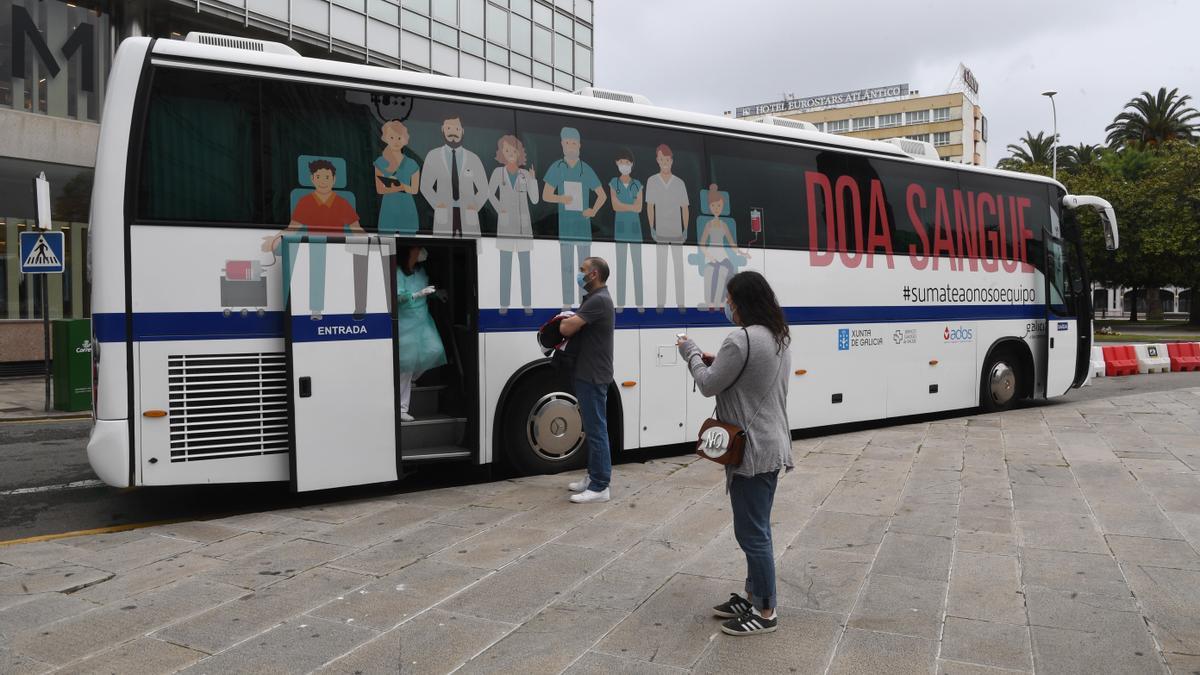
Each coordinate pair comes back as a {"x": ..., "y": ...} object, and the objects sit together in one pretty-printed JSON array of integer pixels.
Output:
[
  {"x": 339, "y": 329},
  {"x": 438, "y": 347},
  {"x": 1068, "y": 309}
]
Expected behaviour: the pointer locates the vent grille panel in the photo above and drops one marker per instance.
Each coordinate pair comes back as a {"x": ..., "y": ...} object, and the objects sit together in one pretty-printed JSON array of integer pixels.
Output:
[
  {"x": 227, "y": 41},
  {"x": 613, "y": 96},
  {"x": 227, "y": 405}
]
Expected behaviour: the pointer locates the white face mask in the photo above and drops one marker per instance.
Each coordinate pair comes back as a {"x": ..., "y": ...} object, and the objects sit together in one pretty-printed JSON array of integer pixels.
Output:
[
  {"x": 570, "y": 155},
  {"x": 422, "y": 256},
  {"x": 625, "y": 168}
]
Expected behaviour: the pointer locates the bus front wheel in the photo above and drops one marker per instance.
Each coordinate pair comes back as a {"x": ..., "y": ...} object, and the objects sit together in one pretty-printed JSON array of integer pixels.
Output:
[
  {"x": 543, "y": 428},
  {"x": 1001, "y": 382}
]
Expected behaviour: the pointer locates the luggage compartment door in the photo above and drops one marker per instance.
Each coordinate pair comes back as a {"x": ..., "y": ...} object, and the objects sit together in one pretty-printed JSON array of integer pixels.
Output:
[{"x": 341, "y": 351}]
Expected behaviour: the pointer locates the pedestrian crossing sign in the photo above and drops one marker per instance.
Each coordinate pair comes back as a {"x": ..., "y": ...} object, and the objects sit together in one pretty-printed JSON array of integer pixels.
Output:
[{"x": 42, "y": 252}]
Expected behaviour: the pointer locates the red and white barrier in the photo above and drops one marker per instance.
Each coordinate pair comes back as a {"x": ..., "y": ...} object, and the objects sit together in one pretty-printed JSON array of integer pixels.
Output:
[
  {"x": 1120, "y": 360},
  {"x": 1097, "y": 361},
  {"x": 1185, "y": 356},
  {"x": 1152, "y": 359},
  {"x": 1116, "y": 360}
]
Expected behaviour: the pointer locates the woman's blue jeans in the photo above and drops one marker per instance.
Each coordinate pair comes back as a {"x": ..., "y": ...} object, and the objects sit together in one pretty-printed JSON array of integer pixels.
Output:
[{"x": 751, "y": 498}]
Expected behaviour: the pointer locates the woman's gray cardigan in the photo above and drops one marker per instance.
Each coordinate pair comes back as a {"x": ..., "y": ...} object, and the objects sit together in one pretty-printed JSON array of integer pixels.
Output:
[{"x": 756, "y": 402}]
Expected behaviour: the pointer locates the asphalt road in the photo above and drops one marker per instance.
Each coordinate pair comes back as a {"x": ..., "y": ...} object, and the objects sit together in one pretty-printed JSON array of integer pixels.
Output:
[{"x": 40, "y": 460}]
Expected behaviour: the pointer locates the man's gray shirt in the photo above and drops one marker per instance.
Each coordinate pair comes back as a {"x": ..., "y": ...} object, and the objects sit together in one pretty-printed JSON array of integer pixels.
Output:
[{"x": 592, "y": 346}]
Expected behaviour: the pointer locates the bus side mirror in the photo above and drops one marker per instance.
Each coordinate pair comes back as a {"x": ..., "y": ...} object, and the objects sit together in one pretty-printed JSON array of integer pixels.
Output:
[{"x": 1108, "y": 217}]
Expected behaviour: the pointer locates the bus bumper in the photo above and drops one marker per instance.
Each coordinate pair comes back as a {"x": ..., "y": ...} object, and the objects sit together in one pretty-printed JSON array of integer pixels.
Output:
[{"x": 108, "y": 451}]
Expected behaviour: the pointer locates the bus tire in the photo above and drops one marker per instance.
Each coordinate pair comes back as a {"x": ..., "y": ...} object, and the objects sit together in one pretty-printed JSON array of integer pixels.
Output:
[
  {"x": 1001, "y": 384},
  {"x": 543, "y": 428}
]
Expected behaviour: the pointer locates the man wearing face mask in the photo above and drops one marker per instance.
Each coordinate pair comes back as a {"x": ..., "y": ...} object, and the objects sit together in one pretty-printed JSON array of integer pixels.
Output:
[
  {"x": 454, "y": 184},
  {"x": 591, "y": 334}
]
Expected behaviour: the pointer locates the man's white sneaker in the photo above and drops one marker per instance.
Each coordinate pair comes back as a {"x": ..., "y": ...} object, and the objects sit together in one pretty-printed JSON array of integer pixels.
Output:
[
  {"x": 590, "y": 497},
  {"x": 405, "y": 417},
  {"x": 578, "y": 485}
]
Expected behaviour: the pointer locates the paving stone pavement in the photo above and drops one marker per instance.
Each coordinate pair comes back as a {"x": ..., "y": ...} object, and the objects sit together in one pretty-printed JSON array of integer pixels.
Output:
[{"x": 1057, "y": 538}]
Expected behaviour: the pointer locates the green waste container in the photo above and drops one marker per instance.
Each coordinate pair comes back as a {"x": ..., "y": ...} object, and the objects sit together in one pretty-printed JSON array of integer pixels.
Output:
[{"x": 71, "y": 364}]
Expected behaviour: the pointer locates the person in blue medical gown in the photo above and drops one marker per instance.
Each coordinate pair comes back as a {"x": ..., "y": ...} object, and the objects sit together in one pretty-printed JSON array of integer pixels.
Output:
[{"x": 420, "y": 345}]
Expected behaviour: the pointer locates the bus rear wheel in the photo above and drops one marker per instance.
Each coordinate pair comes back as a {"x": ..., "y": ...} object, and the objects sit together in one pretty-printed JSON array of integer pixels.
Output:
[
  {"x": 1001, "y": 383},
  {"x": 543, "y": 427}
]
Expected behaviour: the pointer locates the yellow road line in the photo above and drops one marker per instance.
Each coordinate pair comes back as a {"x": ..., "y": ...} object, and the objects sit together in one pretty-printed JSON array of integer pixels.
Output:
[{"x": 95, "y": 530}]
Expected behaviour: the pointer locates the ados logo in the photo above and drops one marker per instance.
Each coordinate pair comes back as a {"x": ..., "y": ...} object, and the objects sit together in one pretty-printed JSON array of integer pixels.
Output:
[{"x": 959, "y": 334}]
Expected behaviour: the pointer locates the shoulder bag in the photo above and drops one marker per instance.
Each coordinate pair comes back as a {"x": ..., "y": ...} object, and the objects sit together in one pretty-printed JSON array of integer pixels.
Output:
[{"x": 719, "y": 441}]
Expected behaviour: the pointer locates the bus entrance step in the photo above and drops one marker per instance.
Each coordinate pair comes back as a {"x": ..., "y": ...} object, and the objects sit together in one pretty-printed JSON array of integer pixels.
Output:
[
  {"x": 424, "y": 400},
  {"x": 431, "y": 432},
  {"x": 440, "y": 452}
]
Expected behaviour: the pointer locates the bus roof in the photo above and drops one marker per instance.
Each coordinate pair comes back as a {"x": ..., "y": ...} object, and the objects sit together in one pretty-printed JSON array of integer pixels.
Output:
[{"x": 383, "y": 76}]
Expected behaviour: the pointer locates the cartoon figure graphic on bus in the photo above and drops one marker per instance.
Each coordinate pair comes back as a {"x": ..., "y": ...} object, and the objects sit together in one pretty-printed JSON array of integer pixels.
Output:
[
  {"x": 320, "y": 212},
  {"x": 420, "y": 344},
  {"x": 718, "y": 255},
  {"x": 397, "y": 177},
  {"x": 626, "y": 193},
  {"x": 454, "y": 183},
  {"x": 570, "y": 183},
  {"x": 667, "y": 212},
  {"x": 511, "y": 190}
]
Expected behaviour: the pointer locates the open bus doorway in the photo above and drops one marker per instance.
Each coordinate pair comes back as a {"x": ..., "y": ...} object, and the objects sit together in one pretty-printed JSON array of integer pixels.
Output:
[{"x": 438, "y": 357}]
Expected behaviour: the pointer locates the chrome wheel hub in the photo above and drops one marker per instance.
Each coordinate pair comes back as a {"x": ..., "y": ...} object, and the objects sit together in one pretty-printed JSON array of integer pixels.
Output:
[
  {"x": 555, "y": 426},
  {"x": 1002, "y": 383}
]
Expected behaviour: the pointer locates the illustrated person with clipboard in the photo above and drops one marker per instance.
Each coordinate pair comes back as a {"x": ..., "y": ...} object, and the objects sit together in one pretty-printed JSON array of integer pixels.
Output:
[
  {"x": 570, "y": 183},
  {"x": 397, "y": 177}
]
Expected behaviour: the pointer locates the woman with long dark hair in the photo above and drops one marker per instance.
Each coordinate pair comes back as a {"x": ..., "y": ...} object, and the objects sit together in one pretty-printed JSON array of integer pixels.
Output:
[{"x": 749, "y": 377}]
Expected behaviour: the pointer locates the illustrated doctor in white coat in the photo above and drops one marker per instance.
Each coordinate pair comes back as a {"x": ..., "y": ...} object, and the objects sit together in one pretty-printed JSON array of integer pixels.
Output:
[
  {"x": 511, "y": 190},
  {"x": 454, "y": 184}
]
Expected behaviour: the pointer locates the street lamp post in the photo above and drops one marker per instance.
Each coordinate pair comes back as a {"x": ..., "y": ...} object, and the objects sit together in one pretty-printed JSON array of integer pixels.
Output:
[{"x": 1054, "y": 148}]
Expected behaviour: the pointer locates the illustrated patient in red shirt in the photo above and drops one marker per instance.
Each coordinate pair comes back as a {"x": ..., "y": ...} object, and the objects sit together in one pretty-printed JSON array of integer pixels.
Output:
[{"x": 323, "y": 212}]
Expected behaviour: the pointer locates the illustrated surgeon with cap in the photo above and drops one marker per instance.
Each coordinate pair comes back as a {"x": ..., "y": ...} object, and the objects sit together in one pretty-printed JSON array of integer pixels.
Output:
[{"x": 571, "y": 183}]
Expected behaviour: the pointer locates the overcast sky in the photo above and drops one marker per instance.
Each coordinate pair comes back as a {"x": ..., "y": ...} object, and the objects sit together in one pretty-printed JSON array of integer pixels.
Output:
[{"x": 715, "y": 55}]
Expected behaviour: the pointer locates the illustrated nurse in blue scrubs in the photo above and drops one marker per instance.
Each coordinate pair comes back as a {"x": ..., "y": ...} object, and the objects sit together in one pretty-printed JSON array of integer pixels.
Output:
[
  {"x": 626, "y": 193},
  {"x": 420, "y": 344},
  {"x": 397, "y": 179}
]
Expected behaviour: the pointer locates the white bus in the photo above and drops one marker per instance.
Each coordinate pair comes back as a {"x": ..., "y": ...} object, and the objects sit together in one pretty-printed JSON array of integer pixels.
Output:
[{"x": 911, "y": 286}]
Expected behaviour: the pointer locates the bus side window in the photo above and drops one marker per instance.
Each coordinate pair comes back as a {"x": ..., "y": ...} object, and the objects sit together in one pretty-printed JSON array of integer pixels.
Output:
[
  {"x": 200, "y": 160},
  {"x": 763, "y": 181},
  {"x": 601, "y": 143},
  {"x": 434, "y": 127}
]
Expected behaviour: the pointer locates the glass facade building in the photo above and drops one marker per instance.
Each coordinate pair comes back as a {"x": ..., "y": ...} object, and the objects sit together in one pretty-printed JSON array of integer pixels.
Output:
[
  {"x": 55, "y": 57},
  {"x": 532, "y": 43}
]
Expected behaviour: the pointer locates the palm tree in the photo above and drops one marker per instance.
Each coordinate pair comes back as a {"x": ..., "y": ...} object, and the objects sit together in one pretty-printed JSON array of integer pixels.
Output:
[
  {"x": 1036, "y": 150},
  {"x": 1072, "y": 158},
  {"x": 1154, "y": 120}
]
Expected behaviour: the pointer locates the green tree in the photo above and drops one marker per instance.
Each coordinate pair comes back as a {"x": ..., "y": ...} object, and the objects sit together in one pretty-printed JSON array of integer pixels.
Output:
[
  {"x": 1154, "y": 120},
  {"x": 1156, "y": 195},
  {"x": 1028, "y": 152},
  {"x": 1073, "y": 158}
]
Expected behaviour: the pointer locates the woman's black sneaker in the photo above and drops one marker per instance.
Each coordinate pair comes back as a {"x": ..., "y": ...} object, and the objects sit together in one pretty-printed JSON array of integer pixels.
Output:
[
  {"x": 736, "y": 607},
  {"x": 750, "y": 624}
]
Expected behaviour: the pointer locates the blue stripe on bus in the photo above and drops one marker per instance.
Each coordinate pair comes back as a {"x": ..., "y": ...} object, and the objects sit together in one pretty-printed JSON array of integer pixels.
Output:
[
  {"x": 155, "y": 326},
  {"x": 491, "y": 321}
]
